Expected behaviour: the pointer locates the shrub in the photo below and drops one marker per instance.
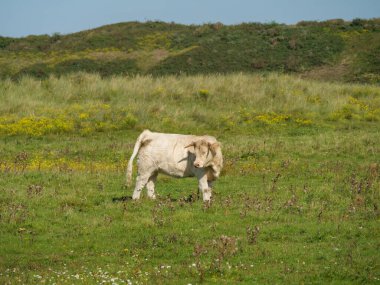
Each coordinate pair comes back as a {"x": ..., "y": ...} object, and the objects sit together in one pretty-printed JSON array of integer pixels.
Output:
[{"x": 203, "y": 94}]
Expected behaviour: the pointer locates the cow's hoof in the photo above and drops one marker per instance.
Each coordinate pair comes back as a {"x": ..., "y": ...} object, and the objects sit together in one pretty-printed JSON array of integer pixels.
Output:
[{"x": 207, "y": 204}]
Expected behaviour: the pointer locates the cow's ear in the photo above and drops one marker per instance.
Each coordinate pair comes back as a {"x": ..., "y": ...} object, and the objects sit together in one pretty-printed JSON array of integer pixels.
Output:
[
  {"x": 190, "y": 146},
  {"x": 213, "y": 147}
]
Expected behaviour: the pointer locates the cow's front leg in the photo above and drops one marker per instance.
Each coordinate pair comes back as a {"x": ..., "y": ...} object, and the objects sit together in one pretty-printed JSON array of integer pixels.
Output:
[{"x": 204, "y": 188}]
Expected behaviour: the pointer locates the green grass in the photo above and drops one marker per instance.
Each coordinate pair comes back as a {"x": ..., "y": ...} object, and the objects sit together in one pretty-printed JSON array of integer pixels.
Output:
[{"x": 298, "y": 200}]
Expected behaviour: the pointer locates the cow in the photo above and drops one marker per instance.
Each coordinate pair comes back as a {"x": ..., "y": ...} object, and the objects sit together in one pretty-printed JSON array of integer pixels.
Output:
[{"x": 177, "y": 156}]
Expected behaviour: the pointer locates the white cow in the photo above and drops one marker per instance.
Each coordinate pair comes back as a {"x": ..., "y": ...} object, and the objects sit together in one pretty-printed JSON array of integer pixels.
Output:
[{"x": 178, "y": 156}]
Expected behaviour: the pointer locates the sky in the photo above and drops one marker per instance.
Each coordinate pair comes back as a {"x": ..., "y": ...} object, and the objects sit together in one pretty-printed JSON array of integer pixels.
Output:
[{"x": 20, "y": 18}]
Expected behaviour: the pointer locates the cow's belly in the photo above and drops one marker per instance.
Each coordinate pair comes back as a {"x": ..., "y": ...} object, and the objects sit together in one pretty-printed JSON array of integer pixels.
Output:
[{"x": 175, "y": 169}]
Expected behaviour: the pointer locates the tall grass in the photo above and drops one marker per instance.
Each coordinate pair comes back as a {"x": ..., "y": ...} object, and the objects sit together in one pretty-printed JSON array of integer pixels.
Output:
[{"x": 178, "y": 99}]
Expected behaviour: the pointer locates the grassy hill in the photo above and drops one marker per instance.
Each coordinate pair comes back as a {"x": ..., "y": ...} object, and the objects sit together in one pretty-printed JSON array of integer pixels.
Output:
[{"x": 332, "y": 50}]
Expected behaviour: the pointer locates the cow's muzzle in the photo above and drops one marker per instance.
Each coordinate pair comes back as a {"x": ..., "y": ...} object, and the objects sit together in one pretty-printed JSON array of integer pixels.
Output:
[{"x": 197, "y": 164}]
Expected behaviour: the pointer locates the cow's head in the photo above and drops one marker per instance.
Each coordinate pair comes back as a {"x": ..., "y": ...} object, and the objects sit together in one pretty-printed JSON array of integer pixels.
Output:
[{"x": 204, "y": 152}]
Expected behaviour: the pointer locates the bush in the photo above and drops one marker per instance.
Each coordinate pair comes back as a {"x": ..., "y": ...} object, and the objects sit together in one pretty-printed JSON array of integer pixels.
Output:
[
  {"x": 357, "y": 22},
  {"x": 4, "y": 42}
]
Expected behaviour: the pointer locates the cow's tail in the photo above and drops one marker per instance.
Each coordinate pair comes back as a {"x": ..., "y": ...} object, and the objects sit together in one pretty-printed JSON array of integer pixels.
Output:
[{"x": 140, "y": 141}]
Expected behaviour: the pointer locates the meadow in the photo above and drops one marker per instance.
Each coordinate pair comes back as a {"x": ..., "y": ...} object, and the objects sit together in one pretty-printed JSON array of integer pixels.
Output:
[{"x": 298, "y": 200}]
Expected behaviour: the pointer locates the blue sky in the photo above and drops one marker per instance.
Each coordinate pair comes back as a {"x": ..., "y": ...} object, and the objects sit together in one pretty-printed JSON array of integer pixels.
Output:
[{"x": 24, "y": 17}]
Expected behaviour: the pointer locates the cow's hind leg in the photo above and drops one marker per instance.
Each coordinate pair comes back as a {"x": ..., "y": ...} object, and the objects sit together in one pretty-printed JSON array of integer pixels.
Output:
[
  {"x": 141, "y": 181},
  {"x": 146, "y": 169},
  {"x": 150, "y": 186}
]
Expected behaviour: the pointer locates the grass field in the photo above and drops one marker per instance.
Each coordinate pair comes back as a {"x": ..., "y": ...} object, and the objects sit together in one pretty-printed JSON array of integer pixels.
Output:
[{"x": 298, "y": 201}]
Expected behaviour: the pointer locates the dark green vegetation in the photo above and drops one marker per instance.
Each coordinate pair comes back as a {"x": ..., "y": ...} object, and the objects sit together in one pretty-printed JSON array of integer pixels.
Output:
[
  {"x": 298, "y": 201},
  {"x": 331, "y": 50}
]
